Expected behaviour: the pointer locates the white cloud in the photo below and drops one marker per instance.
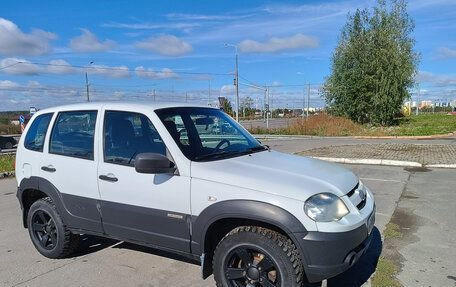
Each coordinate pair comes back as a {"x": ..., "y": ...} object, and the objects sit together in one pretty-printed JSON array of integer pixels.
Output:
[
  {"x": 61, "y": 67},
  {"x": 446, "y": 53},
  {"x": 14, "y": 42},
  {"x": 109, "y": 72},
  {"x": 227, "y": 89},
  {"x": 166, "y": 45},
  {"x": 16, "y": 66},
  {"x": 275, "y": 45},
  {"x": 276, "y": 84},
  {"x": 5, "y": 85},
  {"x": 89, "y": 42},
  {"x": 20, "y": 67},
  {"x": 436, "y": 80},
  {"x": 165, "y": 73}
]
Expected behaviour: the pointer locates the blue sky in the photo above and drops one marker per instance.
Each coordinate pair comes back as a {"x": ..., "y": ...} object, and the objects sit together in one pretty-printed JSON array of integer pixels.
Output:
[{"x": 177, "y": 49}]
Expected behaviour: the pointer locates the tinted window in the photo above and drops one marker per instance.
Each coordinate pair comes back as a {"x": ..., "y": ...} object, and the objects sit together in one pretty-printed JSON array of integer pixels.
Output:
[
  {"x": 73, "y": 134},
  {"x": 129, "y": 134},
  {"x": 34, "y": 140}
]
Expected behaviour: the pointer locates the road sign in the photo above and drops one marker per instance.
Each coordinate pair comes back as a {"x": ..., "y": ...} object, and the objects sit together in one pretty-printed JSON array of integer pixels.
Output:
[
  {"x": 22, "y": 127},
  {"x": 22, "y": 119},
  {"x": 32, "y": 111}
]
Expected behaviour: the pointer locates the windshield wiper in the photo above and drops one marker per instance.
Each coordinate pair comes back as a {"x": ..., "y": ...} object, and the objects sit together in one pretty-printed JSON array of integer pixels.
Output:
[
  {"x": 233, "y": 152},
  {"x": 217, "y": 154}
]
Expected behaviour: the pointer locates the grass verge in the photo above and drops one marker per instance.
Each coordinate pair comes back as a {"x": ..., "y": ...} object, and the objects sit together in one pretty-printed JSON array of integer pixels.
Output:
[
  {"x": 392, "y": 231},
  {"x": 7, "y": 163},
  {"x": 384, "y": 274},
  {"x": 326, "y": 125}
]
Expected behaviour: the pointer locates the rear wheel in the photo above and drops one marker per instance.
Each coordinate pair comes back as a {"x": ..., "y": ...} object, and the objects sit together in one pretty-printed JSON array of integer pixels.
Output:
[
  {"x": 253, "y": 256},
  {"x": 47, "y": 231}
]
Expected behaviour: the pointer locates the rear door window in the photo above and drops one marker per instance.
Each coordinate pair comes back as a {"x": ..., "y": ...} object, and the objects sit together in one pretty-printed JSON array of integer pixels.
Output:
[
  {"x": 73, "y": 134},
  {"x": 34, "y": 140}
]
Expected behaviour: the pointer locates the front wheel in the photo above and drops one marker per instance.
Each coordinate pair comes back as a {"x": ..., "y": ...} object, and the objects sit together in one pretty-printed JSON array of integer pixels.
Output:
[
  {"x": 251, "y": 256},
  {"x": 47, "y": 231}
]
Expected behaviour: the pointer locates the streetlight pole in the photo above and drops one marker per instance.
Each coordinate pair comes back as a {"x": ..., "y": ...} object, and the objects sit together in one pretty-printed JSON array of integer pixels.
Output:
[
  {"x": 237, "y": 80},
  {"x": 87, "y": 84}
]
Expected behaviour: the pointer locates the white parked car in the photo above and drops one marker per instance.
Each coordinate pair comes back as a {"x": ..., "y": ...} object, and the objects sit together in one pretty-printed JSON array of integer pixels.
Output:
[{"x": 251, "y": 215}]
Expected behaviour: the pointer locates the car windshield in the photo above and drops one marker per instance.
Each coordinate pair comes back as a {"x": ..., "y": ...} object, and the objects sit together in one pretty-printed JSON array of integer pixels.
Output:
[{"x": 206, "y": 134}]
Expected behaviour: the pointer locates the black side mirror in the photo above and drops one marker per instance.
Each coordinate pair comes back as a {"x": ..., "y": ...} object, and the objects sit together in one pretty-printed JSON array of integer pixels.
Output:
[{"x": 153, "y": 163}]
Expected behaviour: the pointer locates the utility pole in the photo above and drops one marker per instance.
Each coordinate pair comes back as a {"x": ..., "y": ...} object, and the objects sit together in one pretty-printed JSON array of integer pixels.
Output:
[
  {"x": 186, "y": 97},
  {"x": 154, "y": 95},
  {"x": 303, "y": 98},
  {"x": 236, "y": 80},
  {"x": 87, "y": 86},
  {"x": 267, "y": 111},
  {"x": 418, "y": 102},
  {"x": 308, "y": 98},
  {"x": 209, "y": 92}
]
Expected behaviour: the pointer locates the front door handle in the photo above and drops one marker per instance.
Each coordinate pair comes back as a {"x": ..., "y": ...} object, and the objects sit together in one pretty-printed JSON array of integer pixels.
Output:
[
  {"x": 48, "y": 168},
  {"x": 108, "y": 178}
]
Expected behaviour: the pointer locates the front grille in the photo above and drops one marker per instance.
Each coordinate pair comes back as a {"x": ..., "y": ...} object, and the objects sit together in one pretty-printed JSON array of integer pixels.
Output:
[
  {"x": 353, "y": 190},
  {"x": 355, "y": 198}
]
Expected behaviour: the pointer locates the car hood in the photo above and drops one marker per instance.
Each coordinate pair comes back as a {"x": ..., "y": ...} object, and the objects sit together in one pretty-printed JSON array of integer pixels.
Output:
[{"x": 278, "y": 173}]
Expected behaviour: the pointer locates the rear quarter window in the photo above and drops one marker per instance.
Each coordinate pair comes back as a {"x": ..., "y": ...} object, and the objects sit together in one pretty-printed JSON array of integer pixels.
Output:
[
  {"x": 73, "y": 134},
  {"x": 34, "y": 140}
]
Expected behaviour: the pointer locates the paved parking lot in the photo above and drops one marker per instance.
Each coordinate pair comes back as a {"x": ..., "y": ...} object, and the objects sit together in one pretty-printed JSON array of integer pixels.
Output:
[
  {"x": 425, "y": 200},
  {"x": 103, "y": 262}
]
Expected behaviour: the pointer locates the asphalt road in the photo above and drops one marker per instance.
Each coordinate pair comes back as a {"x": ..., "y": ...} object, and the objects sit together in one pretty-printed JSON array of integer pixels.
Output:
[
  {"x": 102, "y": 262},
  {"x": 426, "y": 256}
]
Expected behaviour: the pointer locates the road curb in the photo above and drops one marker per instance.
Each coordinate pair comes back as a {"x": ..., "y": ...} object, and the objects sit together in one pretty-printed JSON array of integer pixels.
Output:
[
  {"x": 382, "y": 162},
  {"x": 442, "y": 165},
  {"x": 7, "y": 174},
  {"x": 370, "y": 161},
  {"x": 408, "y": 137}
]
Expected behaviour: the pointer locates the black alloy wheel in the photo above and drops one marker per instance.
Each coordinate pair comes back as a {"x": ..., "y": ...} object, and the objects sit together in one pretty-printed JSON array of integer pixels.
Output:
[
  {"x": 251, "y": 256},
  {"x": 48, "y": 233},
  {"x": 44, "y": 229},
  {"x": 247, "y": 266}
]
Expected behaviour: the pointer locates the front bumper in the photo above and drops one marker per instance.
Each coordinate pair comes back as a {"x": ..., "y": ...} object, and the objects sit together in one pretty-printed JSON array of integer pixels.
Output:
[{"x": 326, "y": 255}]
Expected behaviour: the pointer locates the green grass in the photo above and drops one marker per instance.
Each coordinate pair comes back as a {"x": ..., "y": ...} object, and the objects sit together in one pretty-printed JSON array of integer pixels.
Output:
[
  {"x": 325, "y": 125},
  {"x": 384, "y": 274},
  {"x": 7, "y": 163},
  {"x": 417, "y": 125},
  {"x": 392, "y": 231}
]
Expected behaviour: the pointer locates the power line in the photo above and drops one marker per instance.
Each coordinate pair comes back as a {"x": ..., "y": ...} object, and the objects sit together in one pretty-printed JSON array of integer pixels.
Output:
[{"x": 99, "y": 67}]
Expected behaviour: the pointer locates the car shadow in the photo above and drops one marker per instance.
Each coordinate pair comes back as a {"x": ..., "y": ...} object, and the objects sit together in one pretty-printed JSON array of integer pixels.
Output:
[
  {"x": 359, "y": 273},
  {"x": 90, "y": 244},
  {"x": 157, "y": 252},
  {"x": 356, "y": 276}
]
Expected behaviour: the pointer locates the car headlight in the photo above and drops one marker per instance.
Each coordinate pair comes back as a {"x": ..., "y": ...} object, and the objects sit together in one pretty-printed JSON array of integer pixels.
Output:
[{"x": 325, "y": 207}]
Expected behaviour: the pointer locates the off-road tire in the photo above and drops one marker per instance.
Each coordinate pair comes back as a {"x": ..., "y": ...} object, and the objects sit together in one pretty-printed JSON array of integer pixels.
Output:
[
  {"x": 65, "y": 242},
  {"x": 279, "y": 248}
]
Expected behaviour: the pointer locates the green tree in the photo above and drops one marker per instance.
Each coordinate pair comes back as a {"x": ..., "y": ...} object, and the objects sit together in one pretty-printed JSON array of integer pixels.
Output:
[
  {"x": 374, "y": 65},
  {"x": 227, "y": 107}
]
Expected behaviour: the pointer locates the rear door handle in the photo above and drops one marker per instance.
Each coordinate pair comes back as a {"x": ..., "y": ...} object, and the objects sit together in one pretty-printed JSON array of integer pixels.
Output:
[
  {"x": 48, "y": 168},
  {"x": 108, "y": 178}
]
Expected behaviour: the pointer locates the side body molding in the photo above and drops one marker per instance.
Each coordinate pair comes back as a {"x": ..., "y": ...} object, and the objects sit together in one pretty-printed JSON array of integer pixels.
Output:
[{"x": 77, "y": 212}]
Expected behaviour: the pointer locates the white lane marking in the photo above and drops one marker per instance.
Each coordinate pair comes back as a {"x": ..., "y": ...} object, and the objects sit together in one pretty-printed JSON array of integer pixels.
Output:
[{"x": 380, "y": 179}]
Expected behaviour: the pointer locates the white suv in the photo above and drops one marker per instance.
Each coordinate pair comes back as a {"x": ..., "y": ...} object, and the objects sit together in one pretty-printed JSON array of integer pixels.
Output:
[{"x": 160, "y": 175}]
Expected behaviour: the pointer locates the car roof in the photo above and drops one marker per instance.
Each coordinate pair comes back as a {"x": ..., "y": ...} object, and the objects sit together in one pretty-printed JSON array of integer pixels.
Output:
[{"x": 121, "y": 105}]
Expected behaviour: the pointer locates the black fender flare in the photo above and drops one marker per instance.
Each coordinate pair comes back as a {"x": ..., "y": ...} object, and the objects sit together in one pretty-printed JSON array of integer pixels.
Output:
[
  {"x": 244, "y": 209},
  {"x": 44, "y": 186},
  {"x": 90, "y": 223}
]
